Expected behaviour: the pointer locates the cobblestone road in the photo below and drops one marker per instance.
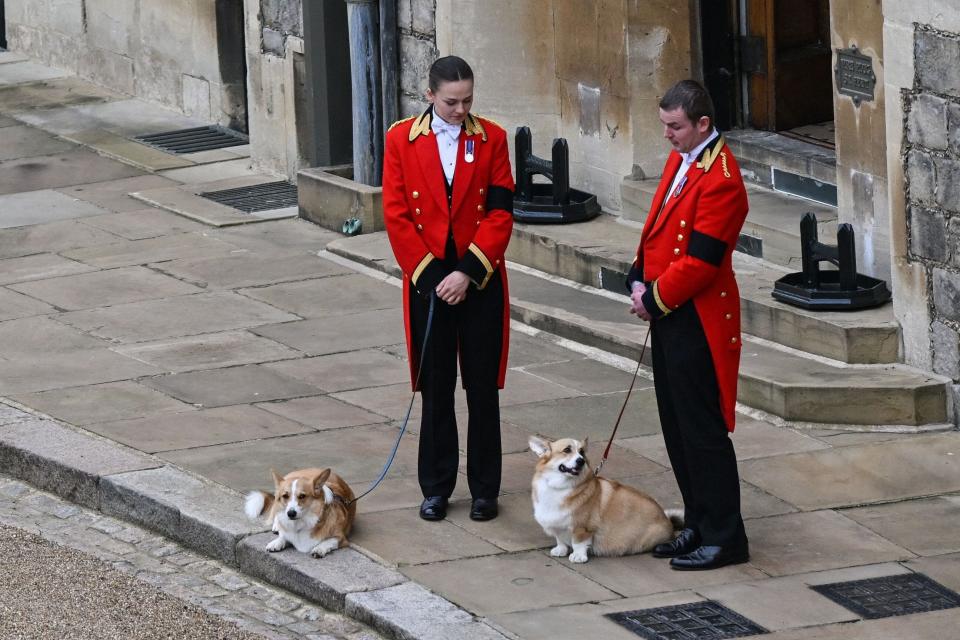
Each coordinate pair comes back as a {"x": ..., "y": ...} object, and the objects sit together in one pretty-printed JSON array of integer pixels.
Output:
[{"x": 103, "y": 578}]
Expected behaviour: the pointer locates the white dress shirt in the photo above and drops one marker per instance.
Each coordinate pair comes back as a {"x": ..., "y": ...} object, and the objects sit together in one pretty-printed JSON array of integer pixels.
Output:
[
  {"x": 688, "y": 159},
  {"x": 448, "y": 137}
]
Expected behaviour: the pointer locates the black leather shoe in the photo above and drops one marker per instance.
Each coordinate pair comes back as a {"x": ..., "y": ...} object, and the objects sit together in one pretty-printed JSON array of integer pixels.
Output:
[
  {"x": 483, "y": 509},
  {"x": 711, "y": 558},
  {"x": 686, "y": 541},
  {"x": 433, "y": 508}
]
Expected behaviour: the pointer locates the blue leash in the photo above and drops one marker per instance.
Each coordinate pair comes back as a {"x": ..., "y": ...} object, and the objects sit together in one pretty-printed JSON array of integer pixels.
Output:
[{"x": 406, "y": 419}]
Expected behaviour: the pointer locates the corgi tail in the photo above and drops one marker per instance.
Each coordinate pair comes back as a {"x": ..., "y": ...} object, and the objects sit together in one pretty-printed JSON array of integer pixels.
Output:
[
  {"x": 257, "y": 504},
  {"x": 676, "y": 517}
]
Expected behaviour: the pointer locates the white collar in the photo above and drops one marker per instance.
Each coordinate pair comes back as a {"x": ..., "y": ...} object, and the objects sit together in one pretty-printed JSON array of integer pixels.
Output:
[
  {"x": 439, "y": 125},
  {"x": 688, "y": 158}
]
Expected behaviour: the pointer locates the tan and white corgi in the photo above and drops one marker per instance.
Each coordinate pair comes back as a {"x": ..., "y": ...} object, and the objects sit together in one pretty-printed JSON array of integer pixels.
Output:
[
  {"x": 311, "y": 509},
  {"x": 586, "y": 512}
]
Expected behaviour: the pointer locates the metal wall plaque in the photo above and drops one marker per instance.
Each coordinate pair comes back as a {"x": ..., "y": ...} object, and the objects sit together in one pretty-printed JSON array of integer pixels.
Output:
[{"x": 855, "y": 77}]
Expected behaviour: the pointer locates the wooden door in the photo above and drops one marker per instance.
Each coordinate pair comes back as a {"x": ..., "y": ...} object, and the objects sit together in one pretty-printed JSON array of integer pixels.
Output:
[{"x": 786, "y": 56}]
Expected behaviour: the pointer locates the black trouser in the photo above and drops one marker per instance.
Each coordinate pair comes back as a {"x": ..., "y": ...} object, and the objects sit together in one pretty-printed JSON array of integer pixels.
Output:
[
  {"x": 694, "y": 430},
  {"x": 474, "y": 329}
]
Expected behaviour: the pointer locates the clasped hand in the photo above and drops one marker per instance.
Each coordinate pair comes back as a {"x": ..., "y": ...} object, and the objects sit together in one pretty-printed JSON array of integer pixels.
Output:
[
  {"x": 636, "y": 306},
  {"x": 453, "y": 288}
]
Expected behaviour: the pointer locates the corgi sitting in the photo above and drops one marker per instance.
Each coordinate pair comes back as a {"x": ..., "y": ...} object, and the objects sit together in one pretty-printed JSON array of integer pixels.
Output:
[
  {"x": 312, "y": 509},
  {"x": 585, "y": 512}
]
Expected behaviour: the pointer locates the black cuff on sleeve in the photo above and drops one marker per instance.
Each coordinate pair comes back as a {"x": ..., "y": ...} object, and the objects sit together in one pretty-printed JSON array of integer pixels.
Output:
[
  {"x": 635, "y": 275},
  {"x": 499, "y": 198},
  {"x": 430, "y": 278},
  {"x": 471, "y": 265},
  {"x": 707, "y": 248},
  {"x": 650, "y": 303}
]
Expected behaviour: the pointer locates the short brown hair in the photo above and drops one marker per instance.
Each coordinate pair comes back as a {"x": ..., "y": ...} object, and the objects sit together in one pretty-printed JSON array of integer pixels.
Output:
[
  {"x": 692, "y": 97},
  {"x": 449, "y": 69}
]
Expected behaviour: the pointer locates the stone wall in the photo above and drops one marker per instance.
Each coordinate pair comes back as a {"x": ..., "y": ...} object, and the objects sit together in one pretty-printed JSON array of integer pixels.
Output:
[
  {"x": 160, "y": 50},
  {"x": 416, "y": 20},
  {"x": 280, "y": 19},
  {"x": 931, "y": 155}
]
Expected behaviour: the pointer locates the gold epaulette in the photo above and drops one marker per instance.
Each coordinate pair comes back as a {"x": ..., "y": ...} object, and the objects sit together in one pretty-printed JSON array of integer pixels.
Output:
[
  {"x": 400, "y": 122},
  {"x": 474, "y": 127},
  {"x": 711, "y": 154}
]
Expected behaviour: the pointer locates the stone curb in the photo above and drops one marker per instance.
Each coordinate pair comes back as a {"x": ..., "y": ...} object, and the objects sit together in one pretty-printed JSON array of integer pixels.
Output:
[{"x": 206, "y": 517}]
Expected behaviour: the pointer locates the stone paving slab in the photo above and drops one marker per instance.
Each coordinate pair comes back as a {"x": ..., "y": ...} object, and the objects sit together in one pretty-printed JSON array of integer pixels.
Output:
[
  {"x": 401, "y": 537},
  {"x": 28, "y": 338},
  {"x": 14, "y": 305},
  {"x": 815, "y": 541},
  {"x": 231, "y": 386},
  {"x": 52, "y": 237},
  {"x": 509, "y": 582},
  {"x": 204, "y": 428},
  {"x": 329, "y": 296},
  {"x": 69, "y": 369},
  {"x": 112, "y": 195},
  {"x": 170, "y": 318},
  {"x": 237, "y": 168},
  {"x": 908, "y": 523},
  {"x": 7, "y": 57},
  {"x": 249, "y": 270},
  {"x": 32, "y": 103},
  {"x": 356, "y": 454},
  {"x": 208, "y": 351},
  {"x": 185, "y": 200},
  {"x": 920, "y": 466},
  {"x": 359, "y": 369},
  {"x": 194, "y": 512},
  {"x": 133, "y": 222},
  {"x": 128, "y": 151},
  {"x": 39, "y": 267},
  {"x": 125, "y": 117},
  {"x": 935, "y": 624},
  {"x": 279, "y": 235},
  {"x": 102, "y": 403},
  {"x": 22, "y": 141},
  {"x": 61, "y": 170},
  {"x": 327, "y": 580},
  {"x": 514, "y": 529},
  {"x": 587, "y": 375},
  {"x": 410, "y": 611},
  {"x": 65, "y": 462},
  {"x": 587, "y": 416},
  {"x": 323, "y": 336},
  {"x": 45, "y": 205},
  {"x": 944, "y": 569},
  {"x": 322, "y": 412},
  {"x": 124, "y": 253},
  {"x": 105, "y": 288},
  {"x": 22, "y": 72},
  {"x": 390, "y": 401}
]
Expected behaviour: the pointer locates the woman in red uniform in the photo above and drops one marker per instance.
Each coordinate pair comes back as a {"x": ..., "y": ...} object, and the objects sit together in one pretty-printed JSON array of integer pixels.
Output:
[{"x": 447, "y": 203}]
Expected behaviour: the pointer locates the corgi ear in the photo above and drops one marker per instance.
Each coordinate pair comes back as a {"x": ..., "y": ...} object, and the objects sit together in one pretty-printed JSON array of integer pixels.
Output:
[
  {"x": 583, "y": 445},
  {"x": 319, "y": 480},
  {"x": 538, "y": 445},
  {"x": 277, "y": 480}
]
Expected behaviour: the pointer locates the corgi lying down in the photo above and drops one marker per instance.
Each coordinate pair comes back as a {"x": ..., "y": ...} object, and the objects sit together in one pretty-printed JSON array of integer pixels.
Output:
[
  {"x": 585, "y": 512},
  {"x": 311, "y": 509}
]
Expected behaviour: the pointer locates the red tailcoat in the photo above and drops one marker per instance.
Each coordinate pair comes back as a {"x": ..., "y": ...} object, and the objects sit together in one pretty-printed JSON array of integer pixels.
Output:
[
  {"x": 419, "y": 220},
  {"x": 686, "y": 251}
]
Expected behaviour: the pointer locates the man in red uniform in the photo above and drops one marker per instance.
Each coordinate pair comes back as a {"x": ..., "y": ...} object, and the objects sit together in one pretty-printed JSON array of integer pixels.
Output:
[
  {"x": 682, "y": 281},
  {"x": 447, "y": 205}
]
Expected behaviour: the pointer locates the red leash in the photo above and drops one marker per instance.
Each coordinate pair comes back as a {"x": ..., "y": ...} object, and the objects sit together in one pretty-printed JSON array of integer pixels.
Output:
[{"x": 606, "y": 452}]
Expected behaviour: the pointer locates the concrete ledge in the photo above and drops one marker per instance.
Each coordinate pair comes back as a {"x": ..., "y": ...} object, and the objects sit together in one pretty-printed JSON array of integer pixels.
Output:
[
  {"x": 410, "y": 611},
  {"x": 62, "y": 461},
  {"x": 327, "y": 581},
  {"x": 328, "y": 199},
  {"x": 197, "y": 513}
]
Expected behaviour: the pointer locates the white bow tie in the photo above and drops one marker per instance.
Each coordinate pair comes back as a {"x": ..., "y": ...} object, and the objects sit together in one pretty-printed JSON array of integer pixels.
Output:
[{"x": 439, "y": 126}]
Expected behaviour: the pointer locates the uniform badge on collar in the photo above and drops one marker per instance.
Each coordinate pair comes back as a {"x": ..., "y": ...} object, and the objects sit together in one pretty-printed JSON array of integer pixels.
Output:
[{"x": 468, "y": 151}]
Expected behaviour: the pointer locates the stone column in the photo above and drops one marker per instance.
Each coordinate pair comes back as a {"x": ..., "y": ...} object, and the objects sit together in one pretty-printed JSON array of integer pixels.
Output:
[{"x": 362, "y": 18}]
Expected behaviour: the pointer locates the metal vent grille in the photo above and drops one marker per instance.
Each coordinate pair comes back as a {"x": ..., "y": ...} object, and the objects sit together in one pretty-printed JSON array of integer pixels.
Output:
[
  {"x": 259, "y": 197},
  {"x": 687, "y": 622},
  {"x": 193, "y": 140},
  {"x": 890, "y": 595}
]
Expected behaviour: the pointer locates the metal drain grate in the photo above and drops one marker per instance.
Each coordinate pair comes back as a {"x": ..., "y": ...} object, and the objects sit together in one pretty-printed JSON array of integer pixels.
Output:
[
  {"x": 193, "y": 140},
  {"x": 890, "y": 595},
  {"x": 687, "y": 622},
  {"x": 259, "y": 197}
]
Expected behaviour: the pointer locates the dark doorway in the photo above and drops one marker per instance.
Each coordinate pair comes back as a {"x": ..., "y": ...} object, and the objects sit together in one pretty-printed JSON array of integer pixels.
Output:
[
  {"x": 3, "y": 28},
  {"x": 329, "y": 103},
  {"x": 767, "y": 63},
  {"x": 231, "y": 50}
]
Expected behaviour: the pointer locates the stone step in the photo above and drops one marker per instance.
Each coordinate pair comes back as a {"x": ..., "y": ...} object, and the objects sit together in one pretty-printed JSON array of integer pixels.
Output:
[
  {"x": 597, "y": 253},
  {"x": 785, "y": 383},
  {"x": 772, "y": 228}
]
